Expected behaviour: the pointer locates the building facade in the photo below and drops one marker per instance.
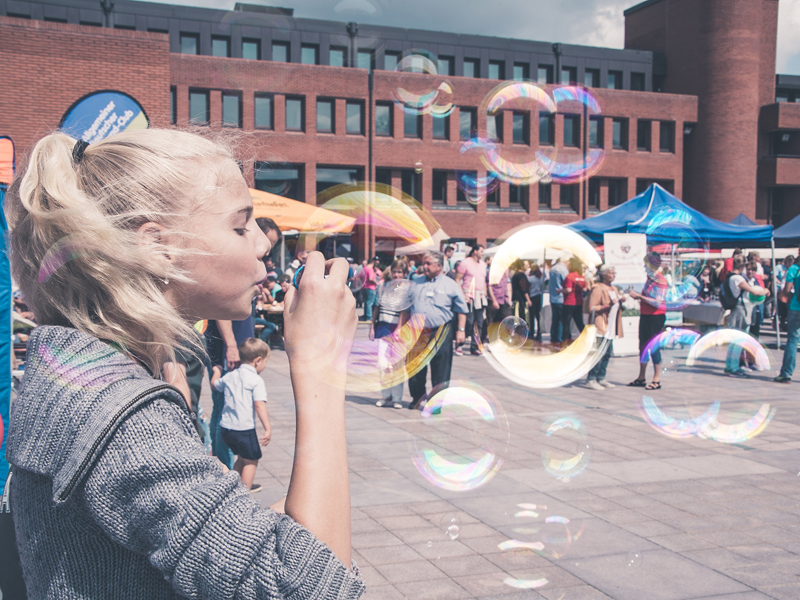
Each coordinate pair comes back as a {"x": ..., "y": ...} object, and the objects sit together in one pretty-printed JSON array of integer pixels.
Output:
[{"x": 314, "y": 104}]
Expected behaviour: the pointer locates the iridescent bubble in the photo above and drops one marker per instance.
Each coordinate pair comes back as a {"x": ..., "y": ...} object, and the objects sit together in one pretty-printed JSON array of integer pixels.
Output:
[
  {"x": 450, "y": 523},
  {"x": 418, "y": 167},
  {"x": 421, "y": 95},
  {"x": 541, "y": 531},
  {"x": 676, "y": 428},
  {"x": 513, "y": 332},
  {"x": 666, "y": 342},
  {"x": 401, "y": 225},
  {"x": 464, "y": 435},
  {"x": 66, "y": 249},
  {"x": 396, "y": 295},
  {"x": 357, "y": 282},
  {"x": 473, "y": 185},
  {"x": 568, "y": 450},
  {"x": 634, "y": 559},
  {"x": 275, "y": 176},
  {"x": 548, "y": 365}
]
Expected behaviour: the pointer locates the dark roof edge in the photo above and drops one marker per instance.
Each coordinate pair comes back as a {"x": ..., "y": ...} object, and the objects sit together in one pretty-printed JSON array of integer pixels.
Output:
[{"x": 640, "y": 6}]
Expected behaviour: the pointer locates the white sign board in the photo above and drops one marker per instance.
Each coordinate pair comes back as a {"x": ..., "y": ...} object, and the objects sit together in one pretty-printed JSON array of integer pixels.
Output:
[{"x": 626, "y": 252}]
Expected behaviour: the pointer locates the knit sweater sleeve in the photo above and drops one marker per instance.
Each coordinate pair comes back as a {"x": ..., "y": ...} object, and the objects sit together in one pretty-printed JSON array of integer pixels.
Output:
[{"x": 157, "y": 493}]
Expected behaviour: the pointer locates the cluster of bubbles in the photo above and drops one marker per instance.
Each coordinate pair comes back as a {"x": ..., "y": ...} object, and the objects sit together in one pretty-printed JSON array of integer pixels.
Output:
[
  {"x": 436, "y": 97},
  {"x": 715, "y": 346},
  {"x": 462, "y": 438}
]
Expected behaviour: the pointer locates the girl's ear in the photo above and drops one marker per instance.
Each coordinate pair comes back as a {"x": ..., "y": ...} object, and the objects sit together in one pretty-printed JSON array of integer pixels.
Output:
[{"x": 152, "y": 237}]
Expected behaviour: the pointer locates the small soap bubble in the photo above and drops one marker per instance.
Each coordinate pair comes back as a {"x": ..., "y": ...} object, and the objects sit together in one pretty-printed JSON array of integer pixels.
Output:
[
  {"x": 451, "y": 525},
  {"x": 634, "y": 559},
  {"x": 418, "y": 167},
  {"x": 430, "y": 544},
  {"x": 513, "y": 332}
]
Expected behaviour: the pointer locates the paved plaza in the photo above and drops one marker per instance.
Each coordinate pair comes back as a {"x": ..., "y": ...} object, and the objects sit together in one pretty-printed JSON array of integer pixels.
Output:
[{"x": 649, "y": 518}]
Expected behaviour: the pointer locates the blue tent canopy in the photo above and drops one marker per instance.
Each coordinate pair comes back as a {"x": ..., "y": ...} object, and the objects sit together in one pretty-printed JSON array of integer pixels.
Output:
[
  {"x": 654, "y": 208},
  {"x": 788, "y": 233},
  {"x": 743, "y": 220}
]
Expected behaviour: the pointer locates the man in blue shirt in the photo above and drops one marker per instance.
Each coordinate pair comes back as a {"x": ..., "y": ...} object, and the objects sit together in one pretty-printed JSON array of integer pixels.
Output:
[
  {"x": 439, "y": 298},
  {"x": 558, "y": 274},
  {"x": 790, "y": 288}
]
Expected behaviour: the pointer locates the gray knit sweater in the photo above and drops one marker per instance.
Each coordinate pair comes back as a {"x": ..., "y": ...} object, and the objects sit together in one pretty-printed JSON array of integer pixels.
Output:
[{"x": 113, "y": 495}]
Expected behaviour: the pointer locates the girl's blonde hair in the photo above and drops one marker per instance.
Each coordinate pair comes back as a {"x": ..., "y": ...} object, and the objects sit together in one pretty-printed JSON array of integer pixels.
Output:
[
  {"x": 398, "y": 263},
  {"x": 75, "y": 251}
]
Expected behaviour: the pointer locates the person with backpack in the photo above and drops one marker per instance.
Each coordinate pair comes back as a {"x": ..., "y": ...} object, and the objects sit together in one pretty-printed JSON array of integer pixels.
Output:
[
  {"x": 731, "y": 297},
  {"x": 788, "y": 296}
]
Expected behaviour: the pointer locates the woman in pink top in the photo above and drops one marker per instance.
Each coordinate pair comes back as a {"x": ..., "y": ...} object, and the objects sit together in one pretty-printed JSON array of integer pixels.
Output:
[{"x": 471, "y": 274}]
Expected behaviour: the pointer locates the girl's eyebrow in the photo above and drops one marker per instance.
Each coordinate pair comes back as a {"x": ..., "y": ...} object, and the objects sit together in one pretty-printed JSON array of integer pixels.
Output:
[{"x": 245, "y": 210}]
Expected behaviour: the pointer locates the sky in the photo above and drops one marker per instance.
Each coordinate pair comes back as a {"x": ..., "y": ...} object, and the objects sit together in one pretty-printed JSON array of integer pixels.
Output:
[{"x": 585, "y": 22}]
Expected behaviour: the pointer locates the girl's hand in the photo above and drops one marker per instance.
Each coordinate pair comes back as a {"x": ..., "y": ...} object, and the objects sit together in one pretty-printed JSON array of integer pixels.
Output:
[
  {"x": 320, "y": 322},
  {"x": 264, "y": 439},
  {"x": 371, "y": 332}
]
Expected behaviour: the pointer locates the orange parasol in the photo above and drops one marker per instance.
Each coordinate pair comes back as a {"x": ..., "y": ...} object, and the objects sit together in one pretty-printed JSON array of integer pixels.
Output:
[
  {"x": 293, "y": 215},
  {"x": 6, "y": 160}
]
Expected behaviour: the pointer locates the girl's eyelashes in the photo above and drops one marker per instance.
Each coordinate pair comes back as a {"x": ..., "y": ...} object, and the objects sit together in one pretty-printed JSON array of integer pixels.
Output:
[{"x": 241, "y": 231}]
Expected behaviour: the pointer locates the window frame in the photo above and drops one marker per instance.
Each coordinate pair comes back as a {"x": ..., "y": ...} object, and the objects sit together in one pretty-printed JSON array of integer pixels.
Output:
[
  {"x": 550, "y": 140},
  {"x": 407, "y": 118},
  {"x": 173, "y": 105},
  {"x": 221, "y": 38},
  {"x": 595, "y": 75},
  {"x": 476, "y": 65},
  {"x": 361, "y": 116},
  {"x": 287, "y": 46},
  {"x": 599, "y": 121},
  {"x": 302, "y": 101},
  {"x": 189, "y": 35},
  {"x": 439, "y": 174},
  {"x": 238, "y": 96},
  {"x": 446, "y": 121},
  {"x": 526, "y": 127},
  {"x": 498, "y": 124},
  {"x": 623, "y": 122},
  {"x": 501, "y": 69},
  {"x": 271, "y": 98},
  {"x": 526, "y": 71},
  {"x": 548, "y": 70},
  {"x": 473, "y": 129},
  {"x": 545, "y": 199},
  {"x": 390, "y": 108},
  {"x": 618, "y": 80},
  {"x": 200, "y": 92},
  {"x": 395, "y": 55},
  {"x": 572, "y": 78},
  {"x": 332, "y": 104},
  {"x": 370, "y": 54},
  {"x": 332, "y": 50},
  {"x": 312, "y": 47},
  {"x": 637, "y": 78},
  {"x": 575, "y": 120},
  {"x": 255, "y": 42},
  {"x": 644, "y": 135},
  {"x": 450, "y": 61},
  {"x": 671, "y": 128}
]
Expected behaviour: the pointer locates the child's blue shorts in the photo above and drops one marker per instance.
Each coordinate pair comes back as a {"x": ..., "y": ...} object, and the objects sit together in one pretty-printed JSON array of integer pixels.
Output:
[{"x": 242, "y": 443}]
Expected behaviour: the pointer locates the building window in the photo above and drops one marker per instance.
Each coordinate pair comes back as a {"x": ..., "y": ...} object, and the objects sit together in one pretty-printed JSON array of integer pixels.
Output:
[
  {"x": 328, "y": 177},
  {"x": 309, "y": 55},
  {"x": 518, "y": 196},
  {"x": 666, "y": 142},
  {"x": 617, "y": 190},
  {"x": 572, "y": 130},
  {"x": 231, "y": 109},
  {"x": 263, "y": 111},
  {"x": 383, "y": 176},
  {"x": 116, "y": 26},
  {"x": 545, "y": 193},
  {"x": 619, "y": 134},
  {"x": 173, "y": 108},
  {"x": 569, "y": 196},
  {"x": 519, "y": 128},
  {"x": 198, "y": 107},
  {"x": 547, "y": 128},
  {"x": 446, "y": 65},
  {"x": 494, "y": 127},
  {"x": 461, "y": 197},
  {"x": 569, "y": 75},
  {"x": 591, "y": 78},
  {"x": 637, "y": 82},
  {"x": 595, "y": 132},
  {"x": 190, "y": 43},
  {"x": 58, "y": 20},
  {"x": 544, "y": 74},
  {"x": 467, "y": 123},
  {"x": 355, "y": 117},
  {"x": 390, "y": 61},
  {"x": 221, "y": 47},
  {"x": 294, "y": 114},
  {"x": 497, "y": 69},
  {"x": 411, "y": 183},
  {"x": 337, "y": 57},
  {"x": 439, "y": 191},
  {"x": 441, "y": 128},
  {"x": 521, "y": 71},
  {"x": 493, "y": 197},
  {"x": 472, "y": 67},
  {"x": 325, "y": 116},
  {"x": 614, "y": 80},
  {"x": 643, "y": 131},
  {"x": 280, "y": 51},
  {"x": 383, "y": 119},
  {"x": 364, "y": 59},
  {"x": 251, "y": 49},
  {"x": 593, "y": 201},
  {"x": 412, "y": 125},
  {"x": 282, "y": 179}
]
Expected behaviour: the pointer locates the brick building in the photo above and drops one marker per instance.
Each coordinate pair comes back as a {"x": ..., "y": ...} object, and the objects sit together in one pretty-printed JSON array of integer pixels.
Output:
[{"x": 312, "y": 116}]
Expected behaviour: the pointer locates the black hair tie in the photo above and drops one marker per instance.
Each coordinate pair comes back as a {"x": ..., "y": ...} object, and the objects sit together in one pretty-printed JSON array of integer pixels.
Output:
[{"x": 78, "y": 150}]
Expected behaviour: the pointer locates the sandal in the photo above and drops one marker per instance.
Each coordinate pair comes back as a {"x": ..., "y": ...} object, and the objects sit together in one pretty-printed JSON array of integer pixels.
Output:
[
  {"x": 653, "y": 385},
  {"x": 638, "y": 383}
]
